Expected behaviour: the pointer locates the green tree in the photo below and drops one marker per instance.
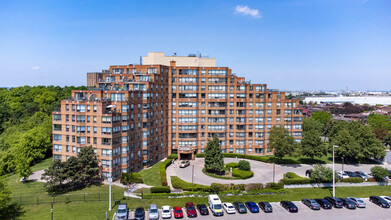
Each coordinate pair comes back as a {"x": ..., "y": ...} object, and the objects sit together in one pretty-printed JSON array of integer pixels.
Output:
[
  {"x": 381, "y": 133},
  {"x": 312, "y": 124},
  {"x": 282, "y": 142},
  {"x": 322, "y": 174},
  {"x": 348, "y": 147},
  {"x": 55, "y": 177},
  {"x": 8, "y": 210},
  {"x": 312, "y": 145},
  {"x": 379, "y": 121},
  {"x": 379, "y": 173},
  {"x": 214, "y": 158},
  {"x": 89, "y": 165},
  {"x": 387, "y": 139},
  {"x": 322, "y": 117}
]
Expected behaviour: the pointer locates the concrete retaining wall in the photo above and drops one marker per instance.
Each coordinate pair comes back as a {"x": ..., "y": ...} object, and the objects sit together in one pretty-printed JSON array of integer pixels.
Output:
[{"x": 337, "y": 184}]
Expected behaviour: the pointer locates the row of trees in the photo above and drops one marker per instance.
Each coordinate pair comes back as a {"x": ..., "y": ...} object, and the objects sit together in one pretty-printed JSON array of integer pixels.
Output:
[
  {"x": 77, "y": 172},
  {"x": 356, "y": 141},
  {"x": 26, "y": 125}
]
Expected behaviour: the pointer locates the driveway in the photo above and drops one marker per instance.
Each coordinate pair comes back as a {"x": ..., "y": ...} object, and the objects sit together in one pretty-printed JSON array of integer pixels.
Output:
[{"x": 263, "y": 172}]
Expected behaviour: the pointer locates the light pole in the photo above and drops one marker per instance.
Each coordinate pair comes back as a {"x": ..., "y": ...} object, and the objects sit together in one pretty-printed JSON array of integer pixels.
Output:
[
  {"x": 334, "y": 172},
  {"x": 109, "y": 180},
  {"x": 274, "y": 170}
]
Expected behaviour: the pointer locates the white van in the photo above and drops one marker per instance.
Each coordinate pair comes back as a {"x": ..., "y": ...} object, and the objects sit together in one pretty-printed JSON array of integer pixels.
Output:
[{"x": 215, "y": 205}]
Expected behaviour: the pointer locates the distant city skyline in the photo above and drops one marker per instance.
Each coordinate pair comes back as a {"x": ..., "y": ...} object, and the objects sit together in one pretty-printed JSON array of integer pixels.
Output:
[{"x": 290, "y": 45}]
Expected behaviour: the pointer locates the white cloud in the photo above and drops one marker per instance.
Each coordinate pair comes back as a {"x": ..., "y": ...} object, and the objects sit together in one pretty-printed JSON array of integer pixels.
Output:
[
  {"x": 35, "y": 67},
  {"x": 245, "y": 10}
]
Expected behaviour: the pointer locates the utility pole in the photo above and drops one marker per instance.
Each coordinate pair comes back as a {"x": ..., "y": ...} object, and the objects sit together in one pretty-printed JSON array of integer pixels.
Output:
[{"x": 51, "y": 211}]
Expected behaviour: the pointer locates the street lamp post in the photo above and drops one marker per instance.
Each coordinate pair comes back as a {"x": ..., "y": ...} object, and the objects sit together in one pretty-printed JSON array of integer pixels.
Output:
[
  {"x": 334, "y": 172},
  {"x": 109, "y": 180}
]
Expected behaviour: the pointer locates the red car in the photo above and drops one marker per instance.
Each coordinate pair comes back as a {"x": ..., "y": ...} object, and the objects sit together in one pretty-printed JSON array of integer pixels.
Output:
[
  {"x": 190, "y": 209},
  {"x": 178, "y": 212}
]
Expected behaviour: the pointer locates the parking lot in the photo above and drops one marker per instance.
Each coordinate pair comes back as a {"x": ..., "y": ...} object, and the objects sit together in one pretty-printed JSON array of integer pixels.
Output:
[{"x": 372, "y": 211}]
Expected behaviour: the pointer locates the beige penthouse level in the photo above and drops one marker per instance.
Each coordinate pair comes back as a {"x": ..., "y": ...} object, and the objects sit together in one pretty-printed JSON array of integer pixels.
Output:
[{"x": 138, "y": 114}]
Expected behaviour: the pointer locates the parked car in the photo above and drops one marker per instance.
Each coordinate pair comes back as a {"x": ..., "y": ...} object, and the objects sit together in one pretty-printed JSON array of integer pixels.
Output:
[
  {"x": 324, "y": 203},
  {"x": 122, "y": 211},
  {"x": 342, "y": 175},
  {"x": 190, "y": 209},
  {"x": 363, "y": 175},
  {"x": 139, "y": 213},
  {"x": 336, "y": 202},
  {"x": 379, "y": 201},
  {"x": 178, "y": 213},
  {"x": 289, "y": 206},
  {"x": 265, "y": 206},
  {"x": 347, "y": 203},
  {"x": 166, "y": 211},
  {"x": 203, "y": 209},
  {"x": 240, "y": 207},
  {"x": 252, "y": 207},
  {"x": 229, "y": 208},
  {"x": 153, "y": 212},
  {"x": 312, "y": 204},
  {"x": 387, "y": 198},
  {"x": 351, "y": 174},
  {"x": 184, "y": 163},
  {"x": 359, "y": 202}
]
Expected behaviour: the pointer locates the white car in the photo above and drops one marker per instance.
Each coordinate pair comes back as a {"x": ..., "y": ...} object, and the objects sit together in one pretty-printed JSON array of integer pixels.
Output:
[
  {"x": 166, "y": 211},
  {"x": 342, "y": 175},
  {"x": 359, "y": 202},
  {"x": 229, "y": 208},
  {"x": 387, "y": 198}
]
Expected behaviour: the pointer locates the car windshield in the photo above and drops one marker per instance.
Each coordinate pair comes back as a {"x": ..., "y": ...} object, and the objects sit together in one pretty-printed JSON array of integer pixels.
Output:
[
  {"x": 121, "y": 211},
  {"x": 360, "y": 201},
  {"x": 241, "y": 206},
  {"x": 230, "y": 207},
  {"x": 138, "y": 213},
  {"x": 191, "y": 208},
  {"x": 218, "y": 206},
  {"x": 166, "y": 211},
  {"x": 313, "y": 202},
  {"x": 178, "y": 211},
  {"x": 153, "y": 211},
  {"x": 253, "y": 206}
]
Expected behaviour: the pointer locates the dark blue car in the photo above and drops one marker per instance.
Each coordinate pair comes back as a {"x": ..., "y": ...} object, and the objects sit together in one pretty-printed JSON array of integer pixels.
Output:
[{"x": 252, "y": 207}]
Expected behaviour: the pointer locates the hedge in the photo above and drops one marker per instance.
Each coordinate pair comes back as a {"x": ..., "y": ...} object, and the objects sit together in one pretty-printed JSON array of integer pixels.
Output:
[
  {"x": 352, "y": 180},
  {"x": 244, "y": 165},
  {"x": 178, "y": 183},
  {"x": 162, "y": 171},
  {"x": 291, "y": 175},
  {"x": 242, "y": 174},
  {"x": 274, "y": 186},
  {"x": 160, "y": 189},
  {"x": 287, "y": 181},
  {"x": 233, "y": 165},
  {"x": 173, "y": 156},
  {"x": 127, "y": 178}
]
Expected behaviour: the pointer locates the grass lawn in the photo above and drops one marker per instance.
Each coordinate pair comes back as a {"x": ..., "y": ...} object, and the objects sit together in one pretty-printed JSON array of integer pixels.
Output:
[{"x": 151, "y": 176}]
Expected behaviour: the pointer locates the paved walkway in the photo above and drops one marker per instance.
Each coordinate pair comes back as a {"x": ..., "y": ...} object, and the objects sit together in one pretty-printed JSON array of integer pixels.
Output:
[{"x": 263, "y": 172}]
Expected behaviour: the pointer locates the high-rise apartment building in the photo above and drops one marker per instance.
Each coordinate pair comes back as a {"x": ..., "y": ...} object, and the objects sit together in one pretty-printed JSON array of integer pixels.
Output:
[{"x": 138, "y": 114}]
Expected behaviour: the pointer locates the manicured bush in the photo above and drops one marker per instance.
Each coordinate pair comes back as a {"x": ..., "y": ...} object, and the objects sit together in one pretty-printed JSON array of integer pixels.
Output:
[
  {"x": 379, "y": 173},
  {"x": 274, "y": 186},
  {"x": 160, "y": 189},
  {"x": 291, "y": 175},
  {"x": 240, "y": 187},
  {"x": 178, "y": 183},
  {"x": 254, "y": 186},
  {"x": 352, "y": 180},
  {"x": 217, "y": 187},
  {"x": 244, "y": 165},
  {"x": 233, "y": 165},
  {"x": 162, "y": 171},
  {"x": 242, "y": 174},
  {"x": 287, "y": 181},
  {"x": 232, "y": 155},
  {"x": 173, "y": 156},
  {"x": 200, "y": 155}
]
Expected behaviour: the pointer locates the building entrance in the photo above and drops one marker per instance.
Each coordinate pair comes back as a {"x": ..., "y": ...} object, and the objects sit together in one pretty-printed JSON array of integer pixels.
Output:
[{"x": 185, "y": 156}]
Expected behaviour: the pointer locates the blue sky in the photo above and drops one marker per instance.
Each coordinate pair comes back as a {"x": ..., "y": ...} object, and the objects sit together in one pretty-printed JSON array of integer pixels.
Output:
[{"x": 288, "y": 44}]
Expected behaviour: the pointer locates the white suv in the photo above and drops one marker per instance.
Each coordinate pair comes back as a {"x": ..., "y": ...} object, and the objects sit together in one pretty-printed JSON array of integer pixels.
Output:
[{"x": 166, "y": 211}]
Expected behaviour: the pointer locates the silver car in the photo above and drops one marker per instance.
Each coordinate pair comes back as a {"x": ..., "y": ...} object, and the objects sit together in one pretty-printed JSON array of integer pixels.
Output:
[
  {"x": 153, "y": 212},
  {"x": 359, "y": 202},
  {"x": 184, "y": 163},
  {"x": 122, "y": 211}
]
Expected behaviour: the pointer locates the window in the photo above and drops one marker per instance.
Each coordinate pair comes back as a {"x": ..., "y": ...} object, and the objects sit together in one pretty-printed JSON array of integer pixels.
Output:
[
  {"x": 57, "y": 137},
  {"x": 57, "y": 147},
  {"x": 120, "y": 97},
  {"x": 106, "y": 152},
  {"x": 57, "y": 117},
  {"x": 217, "y": 72},
  {"x": 217, "y": 95}
]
